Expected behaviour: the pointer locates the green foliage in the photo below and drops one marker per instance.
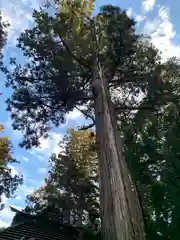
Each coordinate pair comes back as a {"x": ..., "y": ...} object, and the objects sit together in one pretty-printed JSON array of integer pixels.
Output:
[
  {"x": 152, "y": 152},
  {"x": 8, "y": 183},
  {"x": 71, "y": 187}
]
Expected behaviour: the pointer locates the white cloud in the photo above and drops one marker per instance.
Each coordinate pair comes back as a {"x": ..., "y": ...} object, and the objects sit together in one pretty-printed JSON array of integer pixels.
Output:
[
  {"x": 50, "y": 145},
  {"x": 129, "y": 12},
  {"x": 3, "y": 223},
  {"x": 6, "y": 216},
  {"x": 47, "y": 147},
  {"x": 148, "y": 5},
  {"x": 139, "y": 18},
  {"x": 25, "y": 159},
  {"x": 162, "y": 33},
  {"x": 74, "y": 115},
  {"x": 19, "y": 15},
  {"x": 14, "y": 18},
  {"x": 14, "y": 170}
]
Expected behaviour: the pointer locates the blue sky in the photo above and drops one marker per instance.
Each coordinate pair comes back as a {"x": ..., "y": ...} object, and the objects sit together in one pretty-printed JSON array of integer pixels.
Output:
[{"x": 157, "y": 18}]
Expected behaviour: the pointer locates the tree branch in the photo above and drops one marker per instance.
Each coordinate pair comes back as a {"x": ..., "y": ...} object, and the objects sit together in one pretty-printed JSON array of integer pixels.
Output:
[
  {"x": 116, "y": 82},
  {"x": 60, "y": 75},
  {"x": 145, "y": 107},
  {"x": 84, "y": 112},
  {"x": 117, "y": 79},
  {"x": 81, "y": 62},
  {"x": 86, "y": 127},
  {"x": 51, "y": 107},
  {"x": 88, "y": 115},
  {"x": 37, "y": 100}
]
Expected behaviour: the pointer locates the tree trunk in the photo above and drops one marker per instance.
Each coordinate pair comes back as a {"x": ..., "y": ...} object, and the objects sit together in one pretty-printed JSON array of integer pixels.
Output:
[{"x": 120, "y": 209}]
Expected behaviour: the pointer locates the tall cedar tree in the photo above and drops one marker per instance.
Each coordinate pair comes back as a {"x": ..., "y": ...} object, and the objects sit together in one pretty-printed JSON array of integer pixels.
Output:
[
  {"x": 152, "y": 152},
  {"x": 71, "y": 190},
  {"x": 78, "y": 59}
]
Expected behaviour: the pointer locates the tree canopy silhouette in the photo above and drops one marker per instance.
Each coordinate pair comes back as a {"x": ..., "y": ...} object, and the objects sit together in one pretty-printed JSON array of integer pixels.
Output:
[{"x": 71, "y": 192}]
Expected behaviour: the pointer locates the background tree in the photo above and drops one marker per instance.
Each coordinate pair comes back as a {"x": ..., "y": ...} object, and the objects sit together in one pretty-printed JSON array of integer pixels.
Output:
[
  {"x": 8, "y": 183},
  {"x": 68, "y": 52},
  {"x": 71, "y": 191},
  {"x": 151, "y": 149}
]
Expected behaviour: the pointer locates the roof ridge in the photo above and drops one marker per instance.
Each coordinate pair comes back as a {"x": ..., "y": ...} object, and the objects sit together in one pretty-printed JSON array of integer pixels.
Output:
[{"x": 39, "y": 230}]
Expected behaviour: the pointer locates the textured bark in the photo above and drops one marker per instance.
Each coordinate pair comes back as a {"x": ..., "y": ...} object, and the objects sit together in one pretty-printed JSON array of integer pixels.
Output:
[{"x": 120, "y": 209}]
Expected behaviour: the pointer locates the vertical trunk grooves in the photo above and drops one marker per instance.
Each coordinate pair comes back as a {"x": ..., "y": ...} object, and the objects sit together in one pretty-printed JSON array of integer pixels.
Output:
[{"x": 122, "y": 217}]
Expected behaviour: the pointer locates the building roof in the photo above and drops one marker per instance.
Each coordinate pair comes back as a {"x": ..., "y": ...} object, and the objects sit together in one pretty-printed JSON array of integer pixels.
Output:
[{"x": 38, "y": 229}]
